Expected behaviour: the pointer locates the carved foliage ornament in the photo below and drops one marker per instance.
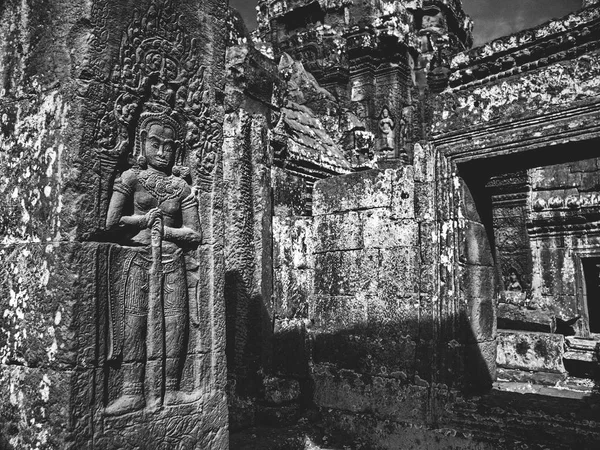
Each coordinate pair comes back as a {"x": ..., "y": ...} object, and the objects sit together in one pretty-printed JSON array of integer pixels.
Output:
[{"x": 158, "y": 71}]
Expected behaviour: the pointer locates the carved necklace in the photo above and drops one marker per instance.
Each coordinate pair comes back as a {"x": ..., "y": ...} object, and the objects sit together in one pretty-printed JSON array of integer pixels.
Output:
[{"x": 161, "y": 187}]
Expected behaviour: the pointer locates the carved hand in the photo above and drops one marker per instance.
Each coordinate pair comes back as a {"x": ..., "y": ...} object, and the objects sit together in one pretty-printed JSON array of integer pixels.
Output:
[{"x": 152, "y": 215}]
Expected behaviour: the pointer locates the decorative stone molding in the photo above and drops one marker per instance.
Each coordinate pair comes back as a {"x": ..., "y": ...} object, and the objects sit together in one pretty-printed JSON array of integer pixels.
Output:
[{"x": 556, "y": 40}]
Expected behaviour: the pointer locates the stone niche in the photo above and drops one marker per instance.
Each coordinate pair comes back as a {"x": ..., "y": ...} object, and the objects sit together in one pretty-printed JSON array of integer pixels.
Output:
[{"x": 112, "y": 331}]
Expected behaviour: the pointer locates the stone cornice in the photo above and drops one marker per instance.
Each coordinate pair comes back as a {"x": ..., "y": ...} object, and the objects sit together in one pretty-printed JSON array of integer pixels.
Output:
[
  {"x": 546, "y": 44},
  {"x": 569, "y": 125},
  {"x": 561, "y": 226}
]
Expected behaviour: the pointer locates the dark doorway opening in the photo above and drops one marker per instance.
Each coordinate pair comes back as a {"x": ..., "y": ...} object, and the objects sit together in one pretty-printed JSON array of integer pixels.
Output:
[{"x": 591, "y": 273}]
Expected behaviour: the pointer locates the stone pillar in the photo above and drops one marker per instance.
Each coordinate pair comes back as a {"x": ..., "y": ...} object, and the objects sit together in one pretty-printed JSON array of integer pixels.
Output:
[
  {"x": 110, "y": 339},
  {"x": 248, "y": 261},
  {"x": 477, "y": 286}
]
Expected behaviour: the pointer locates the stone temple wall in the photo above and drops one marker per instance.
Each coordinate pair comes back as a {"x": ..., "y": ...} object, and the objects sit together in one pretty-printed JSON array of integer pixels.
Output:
[
  {"x": 259, "y": 276},
  {"x": 397, "y": 292},
  {"x": 522, "y": 141},
  {"x": 367, "y": 271},
  {"x": 248, "y": 260},
  {"x": 78, "y": 80},
  {"x": 563, "y": 191},
  {"x": 401, "y": 317}
]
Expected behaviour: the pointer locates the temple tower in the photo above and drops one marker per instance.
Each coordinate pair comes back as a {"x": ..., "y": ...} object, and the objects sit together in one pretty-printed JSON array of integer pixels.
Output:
[{"x": 377, "y": 57}]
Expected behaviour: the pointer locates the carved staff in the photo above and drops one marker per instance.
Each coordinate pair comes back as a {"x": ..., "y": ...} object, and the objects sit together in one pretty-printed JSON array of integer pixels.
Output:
[{"x": 156, "y": 327}]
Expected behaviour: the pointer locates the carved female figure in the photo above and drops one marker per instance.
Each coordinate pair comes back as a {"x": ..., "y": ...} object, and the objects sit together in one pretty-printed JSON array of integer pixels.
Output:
[
  {"x": 386, "y": 126},
  {"x": 158, "y": 213},
  {"x": 513, "y": 284}
]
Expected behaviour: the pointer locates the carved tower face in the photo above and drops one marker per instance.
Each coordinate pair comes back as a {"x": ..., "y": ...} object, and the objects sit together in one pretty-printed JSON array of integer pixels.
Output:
[
  {"x": 159, "y": 146},
  {"x": 433, "y": 21}
]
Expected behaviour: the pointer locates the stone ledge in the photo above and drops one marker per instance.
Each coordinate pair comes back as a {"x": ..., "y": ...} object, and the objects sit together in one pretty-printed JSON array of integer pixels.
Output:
[
  {"x": 528, "y": 377},
  {"x": 531, "y": 351},
  {"x": 529, "y": 388},
  {"x": 514, "y": 317},
  {"x": 580, "y": 349}
]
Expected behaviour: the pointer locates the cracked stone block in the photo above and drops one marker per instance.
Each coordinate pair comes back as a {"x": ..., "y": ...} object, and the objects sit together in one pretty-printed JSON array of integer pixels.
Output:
[
  {"x": 339, "y": 312},
  {"x": 479, "y": 282},
  {"x": 475, "y": 246},
  {"x": 347, "y": 272},
  {"x": 482, "y": 320},
  {"x": 362, "y": 190}
]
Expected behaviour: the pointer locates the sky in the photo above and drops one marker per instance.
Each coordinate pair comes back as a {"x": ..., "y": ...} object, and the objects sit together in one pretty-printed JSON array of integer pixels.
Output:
[{"x": 493, "y": 18}]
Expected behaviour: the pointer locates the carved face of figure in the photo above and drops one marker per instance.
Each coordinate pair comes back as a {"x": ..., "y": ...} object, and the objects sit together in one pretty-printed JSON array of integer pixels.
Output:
[
  {"x": 159, "y": 146},
  {"x": 385, "y": 113},
  {"x": 432, "y": 21},
  {"x": 513, "y": 276}
]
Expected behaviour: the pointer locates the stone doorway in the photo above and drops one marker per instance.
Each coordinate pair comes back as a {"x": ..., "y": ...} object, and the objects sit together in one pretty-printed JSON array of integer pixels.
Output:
[
  {"x": 591, "y": 278},
  {"x": 543, "y": 216}
]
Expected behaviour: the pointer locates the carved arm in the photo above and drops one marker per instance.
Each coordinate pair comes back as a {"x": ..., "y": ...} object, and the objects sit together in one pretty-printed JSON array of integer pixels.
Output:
[
  {"x": 116, "y": 219},
  {"x": 189, "y": 232}
]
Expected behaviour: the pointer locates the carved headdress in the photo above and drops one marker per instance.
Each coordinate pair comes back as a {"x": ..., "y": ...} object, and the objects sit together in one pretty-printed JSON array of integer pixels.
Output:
[
  {"x": 159, "y": 109},
  {"x": 159, "y": 78}
]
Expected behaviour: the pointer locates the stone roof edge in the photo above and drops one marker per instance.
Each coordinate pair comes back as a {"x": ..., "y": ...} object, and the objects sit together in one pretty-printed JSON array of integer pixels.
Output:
[
  {"x": 575, "y": 124},
  {"x": 545, "y": 44},
  {"x": 323, "y": 168}
]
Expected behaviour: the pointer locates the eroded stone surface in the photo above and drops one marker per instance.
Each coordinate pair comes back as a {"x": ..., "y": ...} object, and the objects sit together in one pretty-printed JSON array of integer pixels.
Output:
[
  {"x": 360, "y": 303},
  {"x": 531, "y": 351},
  {"x": 86, "y": 88},
  {"x": 280, "y": 391}
]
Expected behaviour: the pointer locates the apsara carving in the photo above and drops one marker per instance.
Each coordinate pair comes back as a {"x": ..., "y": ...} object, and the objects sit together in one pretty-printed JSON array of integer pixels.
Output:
[
  {"x": 156, "y": 126},
  {"x": 158, "y": 59}
]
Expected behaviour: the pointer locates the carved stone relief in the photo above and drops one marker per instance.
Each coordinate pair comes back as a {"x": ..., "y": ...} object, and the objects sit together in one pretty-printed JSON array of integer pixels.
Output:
[
  {"x": 150, "y": 315},
  {"x": 156, "y": 143},
  {"x": 158, "y": 61},
  {"x": 387, "y": 129}
]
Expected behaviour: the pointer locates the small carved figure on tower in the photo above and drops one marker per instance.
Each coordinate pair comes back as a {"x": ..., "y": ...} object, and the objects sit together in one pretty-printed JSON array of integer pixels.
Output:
[
  {"x": 156, "y": 210},
  {"x": 386, "y": 127},
  {"x": 433, "y": 26},
  {"x": 433, "y": 20}
]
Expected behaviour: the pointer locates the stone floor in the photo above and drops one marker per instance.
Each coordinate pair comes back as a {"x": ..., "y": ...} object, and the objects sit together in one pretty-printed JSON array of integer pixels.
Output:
[{"x": 300, "y": 437}]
